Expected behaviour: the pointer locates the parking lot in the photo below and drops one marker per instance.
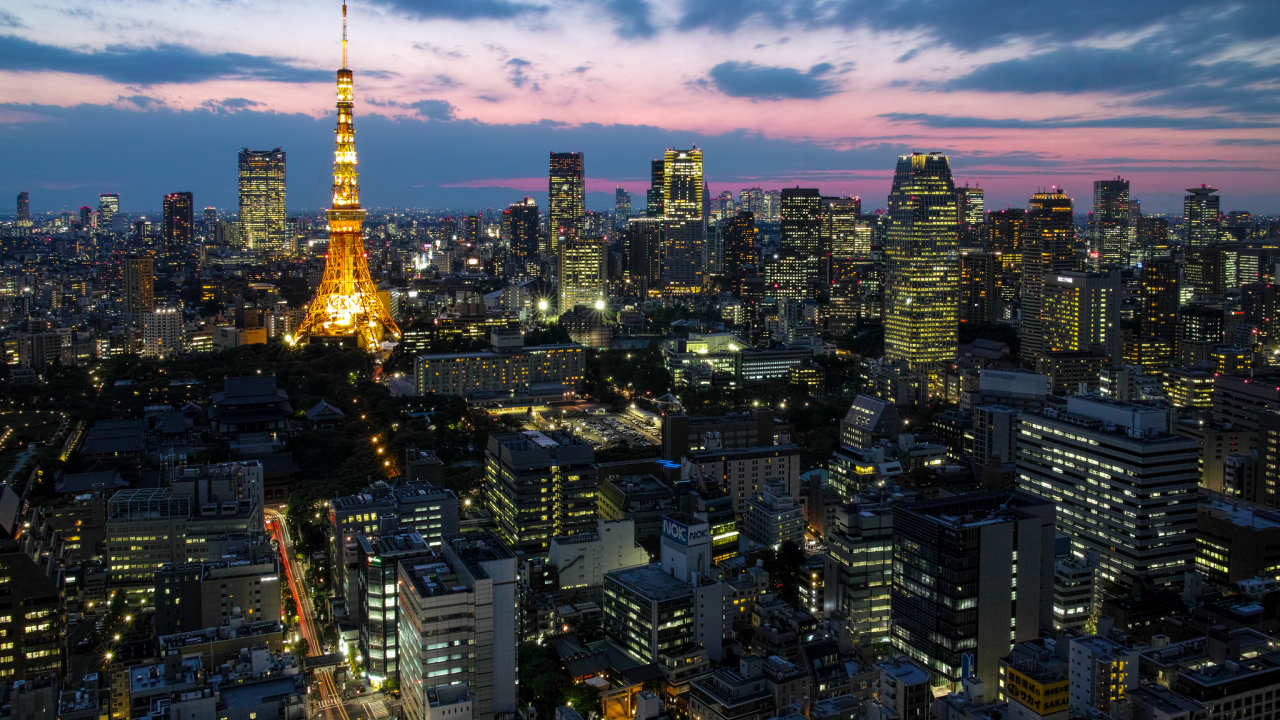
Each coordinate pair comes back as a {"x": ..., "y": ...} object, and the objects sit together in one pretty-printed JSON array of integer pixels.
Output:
[{"x": 602, "y": 430}]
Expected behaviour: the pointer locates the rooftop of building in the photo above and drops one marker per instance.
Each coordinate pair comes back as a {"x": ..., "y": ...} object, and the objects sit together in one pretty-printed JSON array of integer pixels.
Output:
[
  {"x": 745, "y": 452},
  {"x": 975, "y": 509},
  {"x": 445, "y": 695},
  {"x": 527, "y": 350},
  {"x": 152, "y": 677},
  {"x": 475, "y": 549},
  {"x": 222, "y": 632},
  {"x": 256, "y": 692},
  {"x": 1243, "y": 516},
  {"x": 650, "y": 582},
  {"x": 904, "y": 671}
]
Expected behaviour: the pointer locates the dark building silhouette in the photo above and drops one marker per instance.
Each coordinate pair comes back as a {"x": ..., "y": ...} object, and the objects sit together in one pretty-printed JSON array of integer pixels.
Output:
[
  {"x": 24, "y": 206},
  {"x": 740, "y": 243},
  {"x": 179, "y": 219}
]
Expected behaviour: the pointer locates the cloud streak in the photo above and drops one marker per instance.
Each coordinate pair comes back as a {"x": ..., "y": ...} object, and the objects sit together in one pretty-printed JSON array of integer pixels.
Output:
[
  {"x": 165, "y": 63},
  {"x": 762, "y": 82}
]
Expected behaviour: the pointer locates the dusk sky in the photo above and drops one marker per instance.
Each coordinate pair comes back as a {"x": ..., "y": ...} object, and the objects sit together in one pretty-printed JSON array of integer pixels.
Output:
[{"x": 458, "y": 102}]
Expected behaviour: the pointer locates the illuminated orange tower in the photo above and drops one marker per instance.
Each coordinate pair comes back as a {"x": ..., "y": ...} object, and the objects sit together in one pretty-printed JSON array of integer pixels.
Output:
[{"x": 346, "y": 308}]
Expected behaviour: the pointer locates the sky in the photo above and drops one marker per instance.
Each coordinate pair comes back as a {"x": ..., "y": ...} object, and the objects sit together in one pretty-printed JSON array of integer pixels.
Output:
[{"x": 459, "y": 102}]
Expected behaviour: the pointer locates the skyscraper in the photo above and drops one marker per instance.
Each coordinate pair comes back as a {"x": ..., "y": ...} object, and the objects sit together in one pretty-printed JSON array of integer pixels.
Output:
[
  {"x": 108, "y": 206},
  {"x": 179, "y": 219},
  {"x": 1153, "y": 237},
  {"x": 979, "y": 287},
  {"x": 87, "y": 219},
  {"x": 1005, "y": 229},
  {"x": 725, "y": 205},
  {"x": 1047, "y": 249},
  {"x": 752, "y": 200},
  {"x": 1158, "y": 314},
  {"x": 347, "y": 309},
  {"x": 262, "y": 194},
  {"x": 211, "y": 215},
  {"x": 923, "y": 263},
  {"x": 138, "y": 278},
  {"x": 621, "y": 207},
  {"x": 1109, "y": 224},
  {"x": 684, "y": 229},
  {"x": 682, "y": 192},
  {"x": 471, "y": 229},
  {"x": 653, "y": 196},
  {"x": 522, "y": 220},
  {"x": 1082, "y": 313},
  {"x": 970, "y": 203},
  {"x": 845, "y": 240},
  {"x": 801, "y": 234},
  {"x": 24, "y": 206},
  {"x": 566, "y": 198},
  {"x": 739, "y": 243},
  {"x": 1201, "y": 217},
  {"x": 643, "y": 243},
  {"x": 583, "y": 268}
]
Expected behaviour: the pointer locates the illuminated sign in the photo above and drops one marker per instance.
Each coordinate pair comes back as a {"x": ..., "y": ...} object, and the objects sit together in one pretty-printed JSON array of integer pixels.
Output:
[
  {"x": 682, "y": 533},
  {"x": 1066, "y": 279}
]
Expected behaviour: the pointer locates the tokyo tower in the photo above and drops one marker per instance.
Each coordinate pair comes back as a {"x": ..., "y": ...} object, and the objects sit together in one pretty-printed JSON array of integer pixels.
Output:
[{"x": 346, "y": 309}]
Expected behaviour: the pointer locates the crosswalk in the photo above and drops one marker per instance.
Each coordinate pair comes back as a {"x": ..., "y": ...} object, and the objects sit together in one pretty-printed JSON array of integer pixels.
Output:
[{"x": 376, "y": 710}]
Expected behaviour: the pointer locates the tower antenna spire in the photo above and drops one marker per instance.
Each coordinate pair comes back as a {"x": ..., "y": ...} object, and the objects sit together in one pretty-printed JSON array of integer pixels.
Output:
[{"x": 344, "y": 33}]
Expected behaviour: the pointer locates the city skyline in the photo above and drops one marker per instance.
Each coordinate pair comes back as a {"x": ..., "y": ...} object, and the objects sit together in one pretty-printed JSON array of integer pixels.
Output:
[{"x": 773, "y": 100}]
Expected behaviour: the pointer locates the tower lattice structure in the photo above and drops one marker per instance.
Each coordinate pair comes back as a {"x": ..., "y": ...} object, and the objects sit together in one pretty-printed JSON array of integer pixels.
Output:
[{"x": 347, "y": 304}]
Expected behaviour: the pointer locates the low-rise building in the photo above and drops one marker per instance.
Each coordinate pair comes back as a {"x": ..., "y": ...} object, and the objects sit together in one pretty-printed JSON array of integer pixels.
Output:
[
  {"x": 582, "y": 560},
  {"x": 773, "y": 517}
]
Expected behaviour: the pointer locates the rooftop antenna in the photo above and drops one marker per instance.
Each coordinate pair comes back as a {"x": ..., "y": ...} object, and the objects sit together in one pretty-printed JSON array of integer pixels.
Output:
[{"x": 344, "y": 33}]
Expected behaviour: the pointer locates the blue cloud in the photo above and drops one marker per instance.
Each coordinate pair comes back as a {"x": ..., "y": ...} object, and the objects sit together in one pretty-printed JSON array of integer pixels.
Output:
[
  {"x": 166, "y": 63},
  {"x": 1127, "y": 121},
  {"x": 762, "y": 82},
  {"x": 1075, "y": 70},
  {"x": 1247, "y": 142},
  {"x": 517, "y": 76},
  {"x": 634, "y": 18},
  {"x": 441, "y": 110},
  {"x": 464, "y": 10},
  {"x": 8, "y": 19}
]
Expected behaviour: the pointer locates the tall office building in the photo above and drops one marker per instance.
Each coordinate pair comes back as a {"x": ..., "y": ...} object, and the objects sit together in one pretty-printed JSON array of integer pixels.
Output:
[
  {"x": 802, "y": 237},
  {"x": 583, "y": 264},
  {"x": 1047, "y": 250},
  {"x": 740, "y": 236},
  {"x": 211, "y": 215},
  {"x": 138, "y": 279},
  {"x": 1201, "y": 218},
  {"x": 262, "y": 196},
  {"x": 752, "y": 200},
  {"x": 566, "y": 198},
  {"x": 521, "y": 221},
  {"x": 179, "y": 219},
  {"x": 973, "y": 574},
  {"x": 653, "y": 196},
  {"x": 87, "y": 219},
  {"x": 1082, "y": 313},
  {"x": 1005, "y": 231},
  {"x": 683, "y": 256},
  {"x": 643, "y": 243},
  {"x": 472, "y": 227},
  {"x": 1140, "y": 521},
  {"x": 1158, "y": 313},
  {"x": 725, "y": 206},
  {"x": 621, "y": 207},
  {"x": 923, "y": 263},
  {"x": 970, "y": 206},
  {"x": 979, "y": 287},
  {"x": 539, "y": 486},
  {"x": 108, "y": 208},
  {"x": 458, "y": 625},
  {"x": 1109, "y": 224},
  {"x": 24, "y": 206},
  {"x": 682, "y": 186},
  {"x": 846, "y": 240}
]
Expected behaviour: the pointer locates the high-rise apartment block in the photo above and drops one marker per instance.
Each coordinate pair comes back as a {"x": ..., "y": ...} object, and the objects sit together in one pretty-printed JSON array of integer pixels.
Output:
[
  {"x": 162, "y": 332},
  {"x": 262, "y": 199},
  {"x": 24, "y": 206},
  {"x": 643, "y": 244},
  {"x": 923, "y": 268},
  {"x": 520, "y": 221},
  {"x": 138, "y": 278},
  {"x": 621, "y": 207},
  {"x": 179, "y": 219},
  {"x": 740, "y": 237},
  {"x": 1141, "y": 521}
]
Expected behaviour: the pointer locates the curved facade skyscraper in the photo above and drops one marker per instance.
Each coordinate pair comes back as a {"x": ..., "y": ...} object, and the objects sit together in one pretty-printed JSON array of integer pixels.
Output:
[{"x": 922, "y": 257}]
